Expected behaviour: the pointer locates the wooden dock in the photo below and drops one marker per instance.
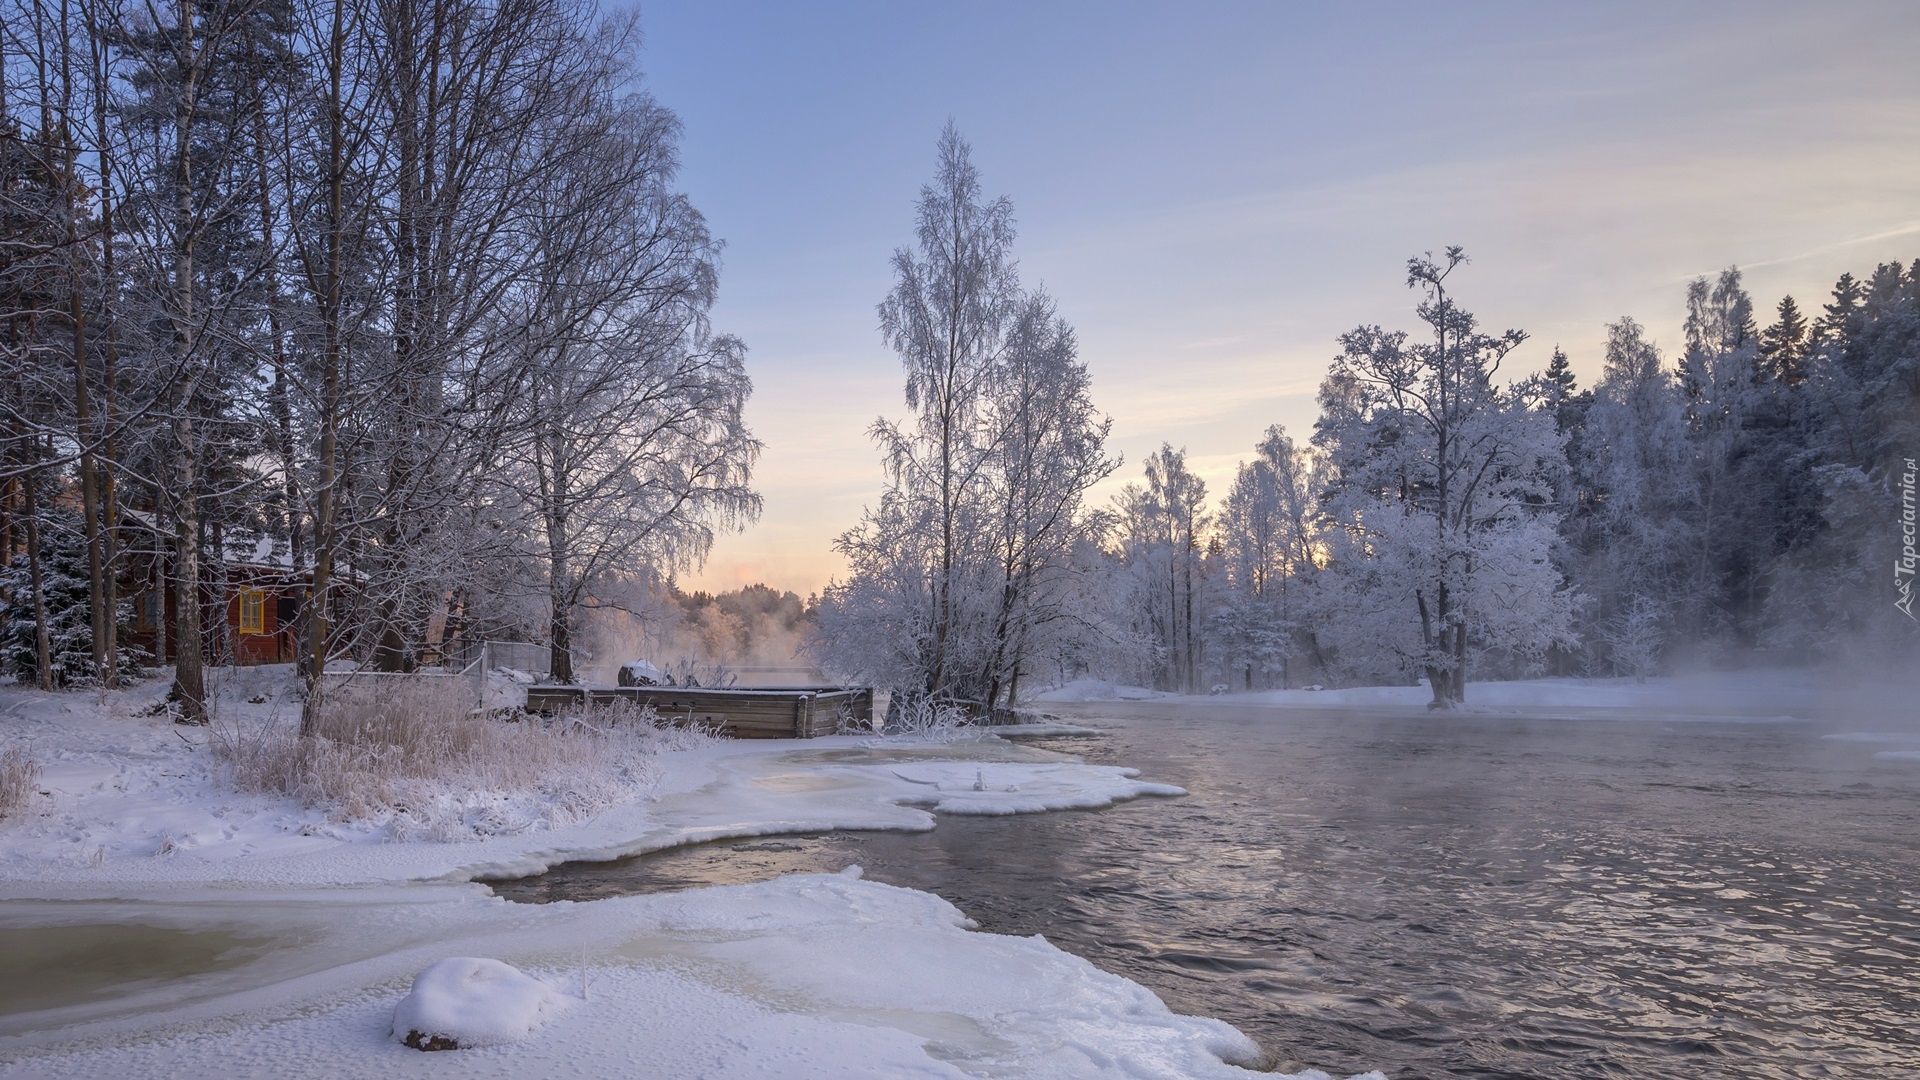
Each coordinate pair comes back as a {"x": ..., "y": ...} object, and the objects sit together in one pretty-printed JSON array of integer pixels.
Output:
[{"x": 771, "y": 712}]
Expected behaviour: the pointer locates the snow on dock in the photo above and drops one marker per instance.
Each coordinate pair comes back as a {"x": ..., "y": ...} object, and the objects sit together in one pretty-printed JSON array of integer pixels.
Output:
[{"x": 771, "y": 712}]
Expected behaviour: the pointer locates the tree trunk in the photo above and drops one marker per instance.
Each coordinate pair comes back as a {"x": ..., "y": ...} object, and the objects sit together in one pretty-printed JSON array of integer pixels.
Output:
[
  {"x": 1460, "y": 663},
  {"x": 1190, "y": 665},
  {"x": 98, "y": 613},
  {"x": 189, "y": 672},
  {"x": 1436, "y": 675},
  {"x": 42, "y": 645},
  {"x": 560, "y": 652},
  {"x": 560, "y": 614},
  {"x": 325, "y": 536},
  {"x": 189, "y": 675},
  {"x": 107, "y": 494},
  {"x": 278, "y": 392},
  {"x": 160, "y": 587},
  {"x": 390, "y": 651}
]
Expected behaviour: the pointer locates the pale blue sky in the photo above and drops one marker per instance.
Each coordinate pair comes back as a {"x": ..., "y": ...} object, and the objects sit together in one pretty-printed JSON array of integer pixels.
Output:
[{"x": 1215, "y": 191}]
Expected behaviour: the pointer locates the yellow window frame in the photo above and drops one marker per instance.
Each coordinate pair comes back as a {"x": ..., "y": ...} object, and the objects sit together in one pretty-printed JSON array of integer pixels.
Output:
[{"x": 253, "y": 611}]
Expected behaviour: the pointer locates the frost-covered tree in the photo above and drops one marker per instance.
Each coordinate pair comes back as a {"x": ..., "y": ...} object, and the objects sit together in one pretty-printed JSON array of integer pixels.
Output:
[
  {"x": 947, "y": 319},
  {"x": 1440, "y": 492},
  {"x": 968, "y": 569},
  {"x": 1048, "y": 449},
  {"x": 1865, "y": 369},
  {"x": 46, "y": 623},
  {"x": 1266, "y": 528},
  {"x": 1719, "y": 377},
  {"x": 181, "y": 92},
  {"x": 280, "y": 258},
  {"x": 1161, "y": 540},
  {"x": 1728, "y": 499},
  {"x": 1634, "y": 455},
  {"x": 1754, "y": 496},
  {"x": 621, "y": 441},
  {"x": 1830, "y": 593},
  {"x": 50, "y": 643},
  {"x": 1634, "y": 636}
]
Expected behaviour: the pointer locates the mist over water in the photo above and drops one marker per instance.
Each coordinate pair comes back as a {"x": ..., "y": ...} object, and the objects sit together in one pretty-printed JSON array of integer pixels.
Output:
[{"x": 1460, "y": 896}]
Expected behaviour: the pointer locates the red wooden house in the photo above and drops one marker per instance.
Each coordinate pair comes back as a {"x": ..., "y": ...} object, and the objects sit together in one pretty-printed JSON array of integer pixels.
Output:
[{"x": 249, "y": 614}]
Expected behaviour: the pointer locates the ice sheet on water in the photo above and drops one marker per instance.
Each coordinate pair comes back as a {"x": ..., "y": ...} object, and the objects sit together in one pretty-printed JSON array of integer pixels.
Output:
[{"x": 962, "y": 787}]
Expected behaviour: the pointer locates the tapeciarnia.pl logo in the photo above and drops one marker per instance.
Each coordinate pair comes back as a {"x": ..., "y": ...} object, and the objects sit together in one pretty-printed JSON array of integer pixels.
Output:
[{"x": 1903, "y": 567}]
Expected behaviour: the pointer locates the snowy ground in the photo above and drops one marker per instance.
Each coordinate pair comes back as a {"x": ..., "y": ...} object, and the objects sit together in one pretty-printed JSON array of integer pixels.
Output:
[
  {"x": 331, "y": 920},
  {"x": 132, "y": 800},
  {"x": 806, "y": 975}
]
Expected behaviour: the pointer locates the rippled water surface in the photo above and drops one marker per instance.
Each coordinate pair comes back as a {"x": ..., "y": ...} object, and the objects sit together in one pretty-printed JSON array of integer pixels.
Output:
[{"x": 1452, "y": 897}]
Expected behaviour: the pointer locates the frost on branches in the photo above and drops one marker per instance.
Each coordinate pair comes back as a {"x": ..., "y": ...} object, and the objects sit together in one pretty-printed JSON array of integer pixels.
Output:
[
  {"x": 970, "y": 570},
  {"x": 1440, "y": 496}
]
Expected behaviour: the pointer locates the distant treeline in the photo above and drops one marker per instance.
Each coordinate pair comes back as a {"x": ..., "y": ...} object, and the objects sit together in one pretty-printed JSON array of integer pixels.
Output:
[{"x": 1449, "y": 516}]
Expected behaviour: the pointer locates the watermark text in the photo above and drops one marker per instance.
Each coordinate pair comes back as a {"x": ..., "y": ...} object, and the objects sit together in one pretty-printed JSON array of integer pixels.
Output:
[{"x": 1903, "y": 567}]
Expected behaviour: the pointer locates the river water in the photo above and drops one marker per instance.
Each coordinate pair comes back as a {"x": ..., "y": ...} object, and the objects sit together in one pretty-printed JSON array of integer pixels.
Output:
[{"x": 1467, "y": 896}]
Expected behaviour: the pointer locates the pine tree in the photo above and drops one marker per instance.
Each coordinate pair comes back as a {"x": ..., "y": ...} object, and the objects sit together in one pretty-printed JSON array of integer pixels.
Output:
[
  {"x": 1561, "y": 386},
  {"x": 1847, "y": 296},
  {"x": 1783, "y": 346},
  {"x": 68, "y": 606}
]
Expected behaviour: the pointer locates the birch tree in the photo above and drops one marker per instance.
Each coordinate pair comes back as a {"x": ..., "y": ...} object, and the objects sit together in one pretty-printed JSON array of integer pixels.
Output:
[
  {"x": 966, "y": 569},
  {"x": 946, "y": 318},
  {"x": 630, "y": 445},
  {"x": 1048, "y": 451},
  {"x": 1267, "y": 529}
]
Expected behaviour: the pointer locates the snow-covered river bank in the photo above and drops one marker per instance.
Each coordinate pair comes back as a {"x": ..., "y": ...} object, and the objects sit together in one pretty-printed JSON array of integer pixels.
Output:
[{"x": 255, "y": 937}]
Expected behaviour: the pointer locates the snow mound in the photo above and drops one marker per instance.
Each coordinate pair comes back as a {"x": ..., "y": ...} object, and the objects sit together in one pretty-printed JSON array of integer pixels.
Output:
[{"x": 466, "y": 1001}]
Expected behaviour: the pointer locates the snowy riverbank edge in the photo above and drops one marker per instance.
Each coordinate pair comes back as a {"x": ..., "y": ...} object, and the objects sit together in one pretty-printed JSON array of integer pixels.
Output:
[
  {"x": 1772, "y": 693},
  {"x": 803, "y": 976},
  {"x": 132, "y": 804}
]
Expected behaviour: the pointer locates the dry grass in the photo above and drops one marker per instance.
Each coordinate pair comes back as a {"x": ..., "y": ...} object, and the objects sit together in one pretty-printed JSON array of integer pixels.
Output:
[
  {"x": 410, "y": 756},
  {"x": 19, "y": 779}
]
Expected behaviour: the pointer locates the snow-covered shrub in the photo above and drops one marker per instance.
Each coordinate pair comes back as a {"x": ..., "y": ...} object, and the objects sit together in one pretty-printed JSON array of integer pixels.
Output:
[
  {"x": 845, "y": 723},
  {"x": 925, "y": 718},
  {"x": 1634, "y": 638},
  {"x": 411, "y": 756},
  {"x": 713, "y": 675},
  {"x": 19, "y": 778}
]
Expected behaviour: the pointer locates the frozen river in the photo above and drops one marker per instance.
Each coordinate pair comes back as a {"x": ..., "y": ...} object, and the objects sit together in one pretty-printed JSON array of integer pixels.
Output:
[{"x": 1471, "y": 896}]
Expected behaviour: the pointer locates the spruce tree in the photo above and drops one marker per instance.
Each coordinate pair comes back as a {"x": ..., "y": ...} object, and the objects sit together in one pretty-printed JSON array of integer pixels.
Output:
[{"x": 1783, "y": 347}]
